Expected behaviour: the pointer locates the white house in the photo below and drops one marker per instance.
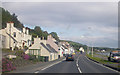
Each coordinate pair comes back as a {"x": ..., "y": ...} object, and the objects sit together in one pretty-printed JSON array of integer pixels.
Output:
[
  {"x": 41, "y": 48},
  {"x": 103, "y": 50},
  {"x": 72, "y": 50},
  {"x": 81, "y": 49},
  {"x": 13, "y": 37},
  {"x": 64, "y": 48}
]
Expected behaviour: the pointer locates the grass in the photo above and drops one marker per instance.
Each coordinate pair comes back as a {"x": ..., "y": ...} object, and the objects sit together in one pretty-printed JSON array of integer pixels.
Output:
[
  {"x": 102, "y": 61},
  {"x": 99, "y": 59}
]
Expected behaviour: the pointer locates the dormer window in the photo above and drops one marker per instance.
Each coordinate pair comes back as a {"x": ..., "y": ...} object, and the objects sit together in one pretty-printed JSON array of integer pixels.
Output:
[{"x": 14, "y": 34}]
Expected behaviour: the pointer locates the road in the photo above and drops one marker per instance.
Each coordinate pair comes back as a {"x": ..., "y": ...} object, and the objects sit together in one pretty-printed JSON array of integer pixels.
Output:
[{"x": 80, "y": 65}]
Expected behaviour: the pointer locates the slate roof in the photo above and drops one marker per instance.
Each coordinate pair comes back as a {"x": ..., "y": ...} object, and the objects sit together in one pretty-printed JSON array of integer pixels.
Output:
[
  {"x": 12, "y": 37},
  {"x": 51, "y": 48},
  {"x": 64, "y": 47},
  {"x": 46, "y": 47},
  {"x": 56, "y": 43}
]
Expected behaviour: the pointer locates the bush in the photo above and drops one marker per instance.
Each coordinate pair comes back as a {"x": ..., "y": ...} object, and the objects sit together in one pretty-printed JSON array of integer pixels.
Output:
[
  {"x": 7, "y": 65},
  {"x": 20, "y": 53},
  {"x": 25, "y": 47},
  {"x": 26, "y": 57},
  {"x": 36, "y": 60},
  {"x": 32, "y": 57},
  {"x": 16, "y": 48},
  {"x": 41, "y": 58}
]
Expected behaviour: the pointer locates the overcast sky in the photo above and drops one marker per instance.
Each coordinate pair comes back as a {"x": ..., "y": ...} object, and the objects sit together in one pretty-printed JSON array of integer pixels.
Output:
[{"x": 84, "y": 22}]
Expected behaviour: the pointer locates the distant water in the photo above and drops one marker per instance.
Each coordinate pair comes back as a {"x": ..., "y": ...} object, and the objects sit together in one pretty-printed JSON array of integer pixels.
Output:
[{"x": 106, "y": 53}]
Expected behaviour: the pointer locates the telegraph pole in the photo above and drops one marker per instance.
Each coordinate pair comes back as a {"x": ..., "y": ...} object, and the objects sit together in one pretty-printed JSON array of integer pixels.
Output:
[{"x": 92, "y": 49}]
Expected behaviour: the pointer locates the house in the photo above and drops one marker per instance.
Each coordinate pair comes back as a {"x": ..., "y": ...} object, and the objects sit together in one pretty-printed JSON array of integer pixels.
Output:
[
  {"x": 64, "y": 48},
  {"x": 103, "y": 50},
  {"x": 72, "y": 50},
  {"x": 41, "y": 48},
  {"x": 13, "y": 37},
  {"x": 52, "y": 42},
  {"x": 61, "y": 50},
  {"x": 81, "y": 49}
]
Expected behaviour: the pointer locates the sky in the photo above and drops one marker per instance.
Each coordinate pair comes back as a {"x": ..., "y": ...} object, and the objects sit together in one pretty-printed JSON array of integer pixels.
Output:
[{"x": 90, "y": 23}]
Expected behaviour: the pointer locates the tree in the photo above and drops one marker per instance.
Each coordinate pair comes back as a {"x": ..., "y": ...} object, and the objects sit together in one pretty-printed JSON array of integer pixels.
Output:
[
  {"x": 54, "y": 35},
  {"x": 45, "y": 34},
  {"x": 7, "y": 17},
  {"x": 38, "y": 31}
]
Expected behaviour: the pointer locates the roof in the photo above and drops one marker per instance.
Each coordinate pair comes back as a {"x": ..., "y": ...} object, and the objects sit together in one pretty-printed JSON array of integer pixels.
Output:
[
  {"x": 46, "y": 47},
  {"x": 51, "y": 48},
  {"x": 35, "y": 46},
  {"x": 12, "y": 37},
  {"x": 56, "y": 43},
  {"x": 64, "y": 47}
]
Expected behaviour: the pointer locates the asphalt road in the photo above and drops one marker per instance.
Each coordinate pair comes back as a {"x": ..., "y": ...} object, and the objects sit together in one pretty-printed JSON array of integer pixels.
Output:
[{"x": 80, "y": 65}]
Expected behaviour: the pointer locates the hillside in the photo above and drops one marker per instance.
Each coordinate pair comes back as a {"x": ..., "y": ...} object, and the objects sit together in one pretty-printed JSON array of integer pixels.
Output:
[
  {"x": 7, "y": 17},
  {"x": 37, "y": 31},
  {"x": 76, "y": 45}
]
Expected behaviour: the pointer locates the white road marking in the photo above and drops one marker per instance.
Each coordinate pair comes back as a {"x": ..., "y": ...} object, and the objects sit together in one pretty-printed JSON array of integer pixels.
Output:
[
  {"x": 102, "y": 65},
  {"x": 52, "y": 65},
  {"x": 79, "y": 70},
  {"x": 77, "y": 65},
  {"x": 36, "y": 72}
]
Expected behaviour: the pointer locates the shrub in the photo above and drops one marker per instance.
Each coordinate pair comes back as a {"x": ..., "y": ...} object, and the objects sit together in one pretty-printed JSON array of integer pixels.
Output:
[
  {"x": 25, "y": 47},
  {"x": 16, "y": 48},
  {"x": 7, "y": 65},
  {"x": 20, "y": 53},
  {"x": 26, "y": 57},
  {"x": 41, "y": 58},
  {"x": 32, "y": 57}
]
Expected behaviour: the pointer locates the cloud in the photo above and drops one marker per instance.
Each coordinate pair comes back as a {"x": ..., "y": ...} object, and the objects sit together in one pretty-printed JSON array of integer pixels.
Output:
[{"x": 71, "y": 19}]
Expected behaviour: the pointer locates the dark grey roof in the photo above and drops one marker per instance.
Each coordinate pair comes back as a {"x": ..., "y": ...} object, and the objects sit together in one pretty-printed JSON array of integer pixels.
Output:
[
  {"x": 12, "y": 37},
  {"x": 56, "y": 43},
  {"x": 45, "y": 47},
  {"x": 64, "y": 47},
  {"x": 51, "y": 48}
]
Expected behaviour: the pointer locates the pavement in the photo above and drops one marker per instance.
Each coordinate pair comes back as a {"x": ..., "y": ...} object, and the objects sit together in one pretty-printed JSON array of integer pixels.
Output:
[
  {"x": 34, "y": 67},
  {"x": 81, "y": 64}
]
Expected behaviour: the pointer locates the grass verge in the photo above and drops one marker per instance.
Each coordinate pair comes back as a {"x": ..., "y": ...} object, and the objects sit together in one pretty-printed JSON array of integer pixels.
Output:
[{"x": 105, "y": 62}]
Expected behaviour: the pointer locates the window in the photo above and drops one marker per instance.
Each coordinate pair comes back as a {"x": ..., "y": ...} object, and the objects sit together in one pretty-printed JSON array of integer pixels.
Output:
[{"x": 14, "y": 34}]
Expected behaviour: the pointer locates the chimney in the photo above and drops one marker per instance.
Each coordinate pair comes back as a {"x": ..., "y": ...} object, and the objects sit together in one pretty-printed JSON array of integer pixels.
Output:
[
  {"x": 24, "y": 30},
  {"x": 37, "y": 36},
  {"x": 10, "y": 24},
  {"x": 27, "y": 31},
  {"x": 43, "y": 38},
  {"x": 49, "y": 36}
]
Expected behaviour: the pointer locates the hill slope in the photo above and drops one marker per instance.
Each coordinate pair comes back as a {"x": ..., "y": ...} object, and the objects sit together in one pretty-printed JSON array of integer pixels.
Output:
[{"x": 37, "y": 31}]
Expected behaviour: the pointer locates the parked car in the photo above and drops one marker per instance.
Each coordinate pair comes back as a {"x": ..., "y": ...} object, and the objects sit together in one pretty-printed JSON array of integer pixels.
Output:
[
  {"x": 114, "y": 56},
  {"x": 70, "y": 57}
]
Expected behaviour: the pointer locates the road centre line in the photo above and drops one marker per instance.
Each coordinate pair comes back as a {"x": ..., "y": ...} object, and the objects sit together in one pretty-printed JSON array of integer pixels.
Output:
[
  {"x": 79, "y": 70},
  {"x": 77, "y": 65},
  {"x": 102, "y": 65}
]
